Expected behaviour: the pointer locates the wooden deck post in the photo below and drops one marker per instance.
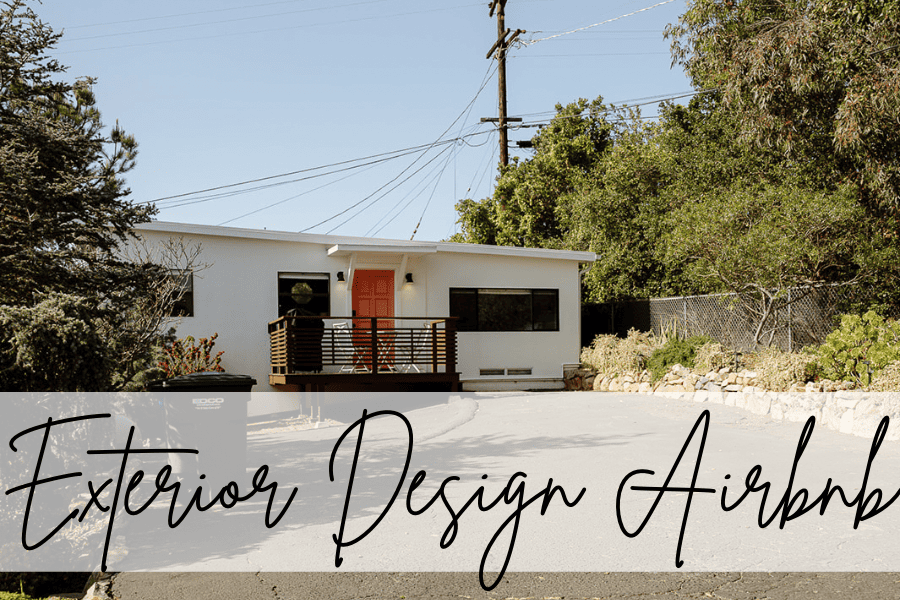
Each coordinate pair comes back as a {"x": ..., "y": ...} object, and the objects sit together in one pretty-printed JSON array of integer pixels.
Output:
[
  {"x": 450, "y": 339},
  {"x": 374, "y": 344},
  {"x": 434, "y": 347}
]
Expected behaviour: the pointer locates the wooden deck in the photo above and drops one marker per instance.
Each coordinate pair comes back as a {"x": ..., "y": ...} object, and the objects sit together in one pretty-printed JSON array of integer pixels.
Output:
[{"x": 352, "y": 354}]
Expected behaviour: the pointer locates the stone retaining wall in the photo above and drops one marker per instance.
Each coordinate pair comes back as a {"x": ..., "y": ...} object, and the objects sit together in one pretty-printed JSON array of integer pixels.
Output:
[{"x": 834, "y": 404}]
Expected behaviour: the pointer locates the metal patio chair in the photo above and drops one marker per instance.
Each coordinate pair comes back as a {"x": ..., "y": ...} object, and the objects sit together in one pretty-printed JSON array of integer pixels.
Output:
[{"x": 345, "y": 347}]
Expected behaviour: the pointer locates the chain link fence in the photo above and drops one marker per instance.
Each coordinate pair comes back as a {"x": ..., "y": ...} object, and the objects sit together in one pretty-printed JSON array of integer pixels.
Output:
[
  {"x": 614, "y": 318},
  {"x": 796, "y": 318}
]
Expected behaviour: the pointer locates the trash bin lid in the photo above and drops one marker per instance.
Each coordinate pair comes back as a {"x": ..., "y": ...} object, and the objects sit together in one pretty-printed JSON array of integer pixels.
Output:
[{"x": 197, "y": 381}]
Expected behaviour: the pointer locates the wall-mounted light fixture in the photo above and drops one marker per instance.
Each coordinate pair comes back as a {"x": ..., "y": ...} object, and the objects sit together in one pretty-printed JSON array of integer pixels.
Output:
[
  {"x": 340, "y": 276},
  {"x": 409, "y": 278}
]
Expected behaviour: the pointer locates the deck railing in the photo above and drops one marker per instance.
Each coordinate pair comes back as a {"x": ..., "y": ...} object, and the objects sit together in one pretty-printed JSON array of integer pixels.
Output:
[{"x": 301, "y": 344}]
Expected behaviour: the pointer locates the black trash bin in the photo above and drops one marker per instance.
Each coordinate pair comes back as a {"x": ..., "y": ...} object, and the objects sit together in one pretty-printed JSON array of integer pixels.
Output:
[{"x": 207, "y": 412}]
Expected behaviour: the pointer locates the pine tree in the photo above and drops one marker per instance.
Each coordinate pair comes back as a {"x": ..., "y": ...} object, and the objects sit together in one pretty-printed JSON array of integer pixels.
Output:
[
  {"x": 64, "y": 209},
  {"x": 68, "y": 293}
]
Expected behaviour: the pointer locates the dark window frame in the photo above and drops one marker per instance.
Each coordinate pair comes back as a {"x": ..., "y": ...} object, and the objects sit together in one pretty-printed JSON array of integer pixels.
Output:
[
  {"x": 321, "y": 284},
  {"x": 184, "y": 287},
  {"x": 470, "y": 306}
]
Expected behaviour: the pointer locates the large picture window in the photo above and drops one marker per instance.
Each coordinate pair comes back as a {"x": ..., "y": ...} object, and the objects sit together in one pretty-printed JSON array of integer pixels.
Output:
[
  {"x": 304, "y": 294},
  {"x": 505, "y": 309}
]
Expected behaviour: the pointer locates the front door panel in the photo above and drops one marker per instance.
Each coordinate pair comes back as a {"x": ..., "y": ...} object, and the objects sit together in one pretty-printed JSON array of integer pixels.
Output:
[{"x": 373, "y": 296}]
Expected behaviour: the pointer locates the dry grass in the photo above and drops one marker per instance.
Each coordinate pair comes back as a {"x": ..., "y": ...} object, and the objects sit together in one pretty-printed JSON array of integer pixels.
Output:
[
  {"x": 711, "y": 356},
  {"x": 778, "y": 370},
  {"x": 888, "y": 380},
  {"x": 611, "y": 355}
]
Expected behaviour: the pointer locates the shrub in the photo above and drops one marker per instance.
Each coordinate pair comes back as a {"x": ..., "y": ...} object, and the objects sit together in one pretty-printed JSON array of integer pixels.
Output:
[
  {"x": 860, "y": 348},
  {"x": 711, "y": 356},
  {"x": 888, "y": 380},
  {"x": 24, "y": 586},
  {"x": 184, "y": 357},
  {"x": 53, "y": 346},
  {"x": 777, "y": 370},
  {"x": 675, "y": 351},
  {"x": 611, "y": 355}
]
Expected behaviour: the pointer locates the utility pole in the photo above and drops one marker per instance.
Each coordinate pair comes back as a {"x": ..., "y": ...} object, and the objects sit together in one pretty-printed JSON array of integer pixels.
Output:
[{"x": 504, "y": 40}]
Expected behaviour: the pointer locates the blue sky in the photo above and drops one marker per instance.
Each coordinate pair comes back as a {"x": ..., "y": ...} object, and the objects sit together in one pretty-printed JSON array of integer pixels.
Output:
[{"x": 219, "y": 92}]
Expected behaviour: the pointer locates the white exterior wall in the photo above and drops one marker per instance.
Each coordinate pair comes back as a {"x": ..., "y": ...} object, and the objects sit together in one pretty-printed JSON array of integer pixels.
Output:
[
  {"x": 542, "y": 351},
  {"x": 236, "y": 296}
]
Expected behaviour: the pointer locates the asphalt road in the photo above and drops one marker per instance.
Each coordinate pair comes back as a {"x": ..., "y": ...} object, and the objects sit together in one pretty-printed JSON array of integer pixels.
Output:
[
  {"x": 585, "y": 439},
  {"x": 531, "y": 586}
]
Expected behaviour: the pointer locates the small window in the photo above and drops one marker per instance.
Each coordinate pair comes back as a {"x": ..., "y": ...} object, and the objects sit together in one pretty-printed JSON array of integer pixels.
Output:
[
  {"x": 505, "y": 309},
  {"x": 487, "y": 372},
  {"x": 182, "y": 293},
  {"x": 306, "y": 294}
]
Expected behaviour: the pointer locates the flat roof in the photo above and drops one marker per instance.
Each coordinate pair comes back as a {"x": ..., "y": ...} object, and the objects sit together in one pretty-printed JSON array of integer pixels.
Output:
[{"x": 339, "y": 244}]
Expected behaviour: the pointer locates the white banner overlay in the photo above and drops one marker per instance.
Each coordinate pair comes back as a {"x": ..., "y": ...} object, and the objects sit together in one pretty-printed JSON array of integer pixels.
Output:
[{"x": 430, "y": 482}]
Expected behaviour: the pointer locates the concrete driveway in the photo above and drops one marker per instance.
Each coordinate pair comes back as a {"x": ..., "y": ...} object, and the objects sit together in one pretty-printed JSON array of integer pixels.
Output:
[{"x": 580, "y": 440}]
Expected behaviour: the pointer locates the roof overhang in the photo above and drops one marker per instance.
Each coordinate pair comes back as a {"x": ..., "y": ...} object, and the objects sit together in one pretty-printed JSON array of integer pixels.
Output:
[
  {"x": 350, "y": 249},
  {"x": 348, "y": 245}
]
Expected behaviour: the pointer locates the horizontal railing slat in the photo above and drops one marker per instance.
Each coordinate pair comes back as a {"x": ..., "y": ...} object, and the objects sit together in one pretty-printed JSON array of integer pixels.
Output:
[{"x": 303, "y": 344}]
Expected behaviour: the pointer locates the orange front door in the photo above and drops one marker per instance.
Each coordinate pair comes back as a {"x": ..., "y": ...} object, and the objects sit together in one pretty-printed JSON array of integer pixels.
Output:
[{"x": 373, "y": 296}]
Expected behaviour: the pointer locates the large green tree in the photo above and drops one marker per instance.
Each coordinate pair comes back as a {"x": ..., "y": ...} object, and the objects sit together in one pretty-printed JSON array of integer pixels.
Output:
[
  {"x": 631, "y": 199},
  {"x": 614, "y": 192},
  {"x": 773, "y": 243},
  {"x": 689, "y": 205},
  {"x": 783, "y": 171},
  {"x": 618, "y": 210},
  {"x": 71, "y": 300},
  {"x": 820, "y": 81},
  {"x": 524, "y": 208}
]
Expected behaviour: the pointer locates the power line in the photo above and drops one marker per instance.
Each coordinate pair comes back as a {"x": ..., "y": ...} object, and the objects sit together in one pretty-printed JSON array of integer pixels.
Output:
[
  {"x": 204, "y": 24},
  {"x": 405, "y": 196},
  {"x": 455, "y": 153},
  {"x": 294, "y": 197},
  {"x": 190, "y": 14},
  {"x": 293, "y": 27},
  {"x": 601, "y": 32},
  {"x": 180, "y": 200},
  {"x": 544, "y": 124},
  {"x": 659, "y": 97},
  {"x": 425, "y": 183},
  {"x": 611, "y": 109},
  {"x": 467, "y": 112},
  {"x": 487, "y": 161},
  {"x": 531, "y": 42},
  {"x": 439, "y": 140},
  {"x": 230, "y": 194},
  {"x": 202, "y": 199},
  {"x": 591, "y": 54},
  {"x": 349, "y": 208},
  {"x": 430, "y": 198},
  {"x": 382, "y": 196},
  {"x": 607, "y": 37},
  {"x": 405, "y": 151}
]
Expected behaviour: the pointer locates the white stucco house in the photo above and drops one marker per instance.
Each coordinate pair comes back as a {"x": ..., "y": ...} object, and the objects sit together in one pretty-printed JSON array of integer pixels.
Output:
[{"x": 515, "y": 311}]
